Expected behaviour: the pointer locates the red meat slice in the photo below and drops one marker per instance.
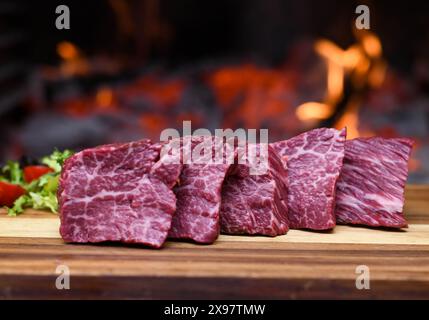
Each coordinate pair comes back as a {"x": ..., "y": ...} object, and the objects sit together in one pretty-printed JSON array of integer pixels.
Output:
[
  {"x": 199, "y": 192},
  {"x": 314, "y": 161},
  {"x": 370, "y": 190},
  {"x": 117, "y": 192},
  {"x": 255, "y": 203}
]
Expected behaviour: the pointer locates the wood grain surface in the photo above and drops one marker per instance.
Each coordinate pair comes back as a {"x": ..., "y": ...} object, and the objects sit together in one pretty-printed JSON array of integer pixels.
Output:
[{"x": 301, "y": 264}]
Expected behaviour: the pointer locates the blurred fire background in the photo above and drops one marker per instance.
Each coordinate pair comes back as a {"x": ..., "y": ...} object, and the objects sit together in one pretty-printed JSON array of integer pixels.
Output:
[{"x": 127, "y": 69}]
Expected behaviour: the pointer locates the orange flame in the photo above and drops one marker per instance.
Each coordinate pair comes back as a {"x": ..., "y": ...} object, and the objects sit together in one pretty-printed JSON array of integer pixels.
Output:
[
  {"x": 361, "y": 62},
  {"x": 335, "y": 82},
  {"x": 313, "y": 110},
  {"x": 371, "y": 44},
  {"x": 350, "y": 120}
]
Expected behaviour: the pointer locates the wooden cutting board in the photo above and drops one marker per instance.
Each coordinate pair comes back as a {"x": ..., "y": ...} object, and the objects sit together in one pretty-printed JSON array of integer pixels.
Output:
[{"x": 301, "y": 264}]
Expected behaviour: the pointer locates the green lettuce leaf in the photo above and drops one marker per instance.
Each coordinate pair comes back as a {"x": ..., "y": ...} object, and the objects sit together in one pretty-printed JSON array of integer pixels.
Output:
[
  {"x": 56, "y": 159},
  {"x": 20, "y": 204},
  {"x": 44, "y": 200},
  {"x": 13, "y": 173},
  {"x": 42, "y": 192}
]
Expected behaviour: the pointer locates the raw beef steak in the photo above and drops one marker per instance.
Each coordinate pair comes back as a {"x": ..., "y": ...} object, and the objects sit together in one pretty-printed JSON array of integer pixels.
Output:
[
  {"x": 118, "y": 192},
  {"x": 199, "y": 193},
  {"x": 370, "y": 190},
  {"x": 255, "y": 203},
  {"x": 314, "y": 161}
]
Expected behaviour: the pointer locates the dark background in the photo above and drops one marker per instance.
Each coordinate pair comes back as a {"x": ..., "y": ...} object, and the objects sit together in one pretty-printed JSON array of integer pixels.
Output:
[
  {"x": 154, "y": 50},
  {"x": 208, "y": 29}
]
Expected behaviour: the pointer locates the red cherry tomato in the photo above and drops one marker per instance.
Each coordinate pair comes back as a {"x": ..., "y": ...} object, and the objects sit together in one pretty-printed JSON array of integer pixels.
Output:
[
  {"x": 34, "y": 172},
  {"x": 9, "y": 193}
]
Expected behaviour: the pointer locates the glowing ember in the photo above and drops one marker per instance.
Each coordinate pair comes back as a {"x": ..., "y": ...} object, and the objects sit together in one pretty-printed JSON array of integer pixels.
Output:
[
  {"x": 251, "y": 94},
  {"x": 153, "y": 124},
  {"x": 414, "y": 164},
  {"x": 161, "y": 92},
  {"x": 74, "y": 62},
  {"x": 67, "y": 50},
  {"x": 104, "y": 97}
]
